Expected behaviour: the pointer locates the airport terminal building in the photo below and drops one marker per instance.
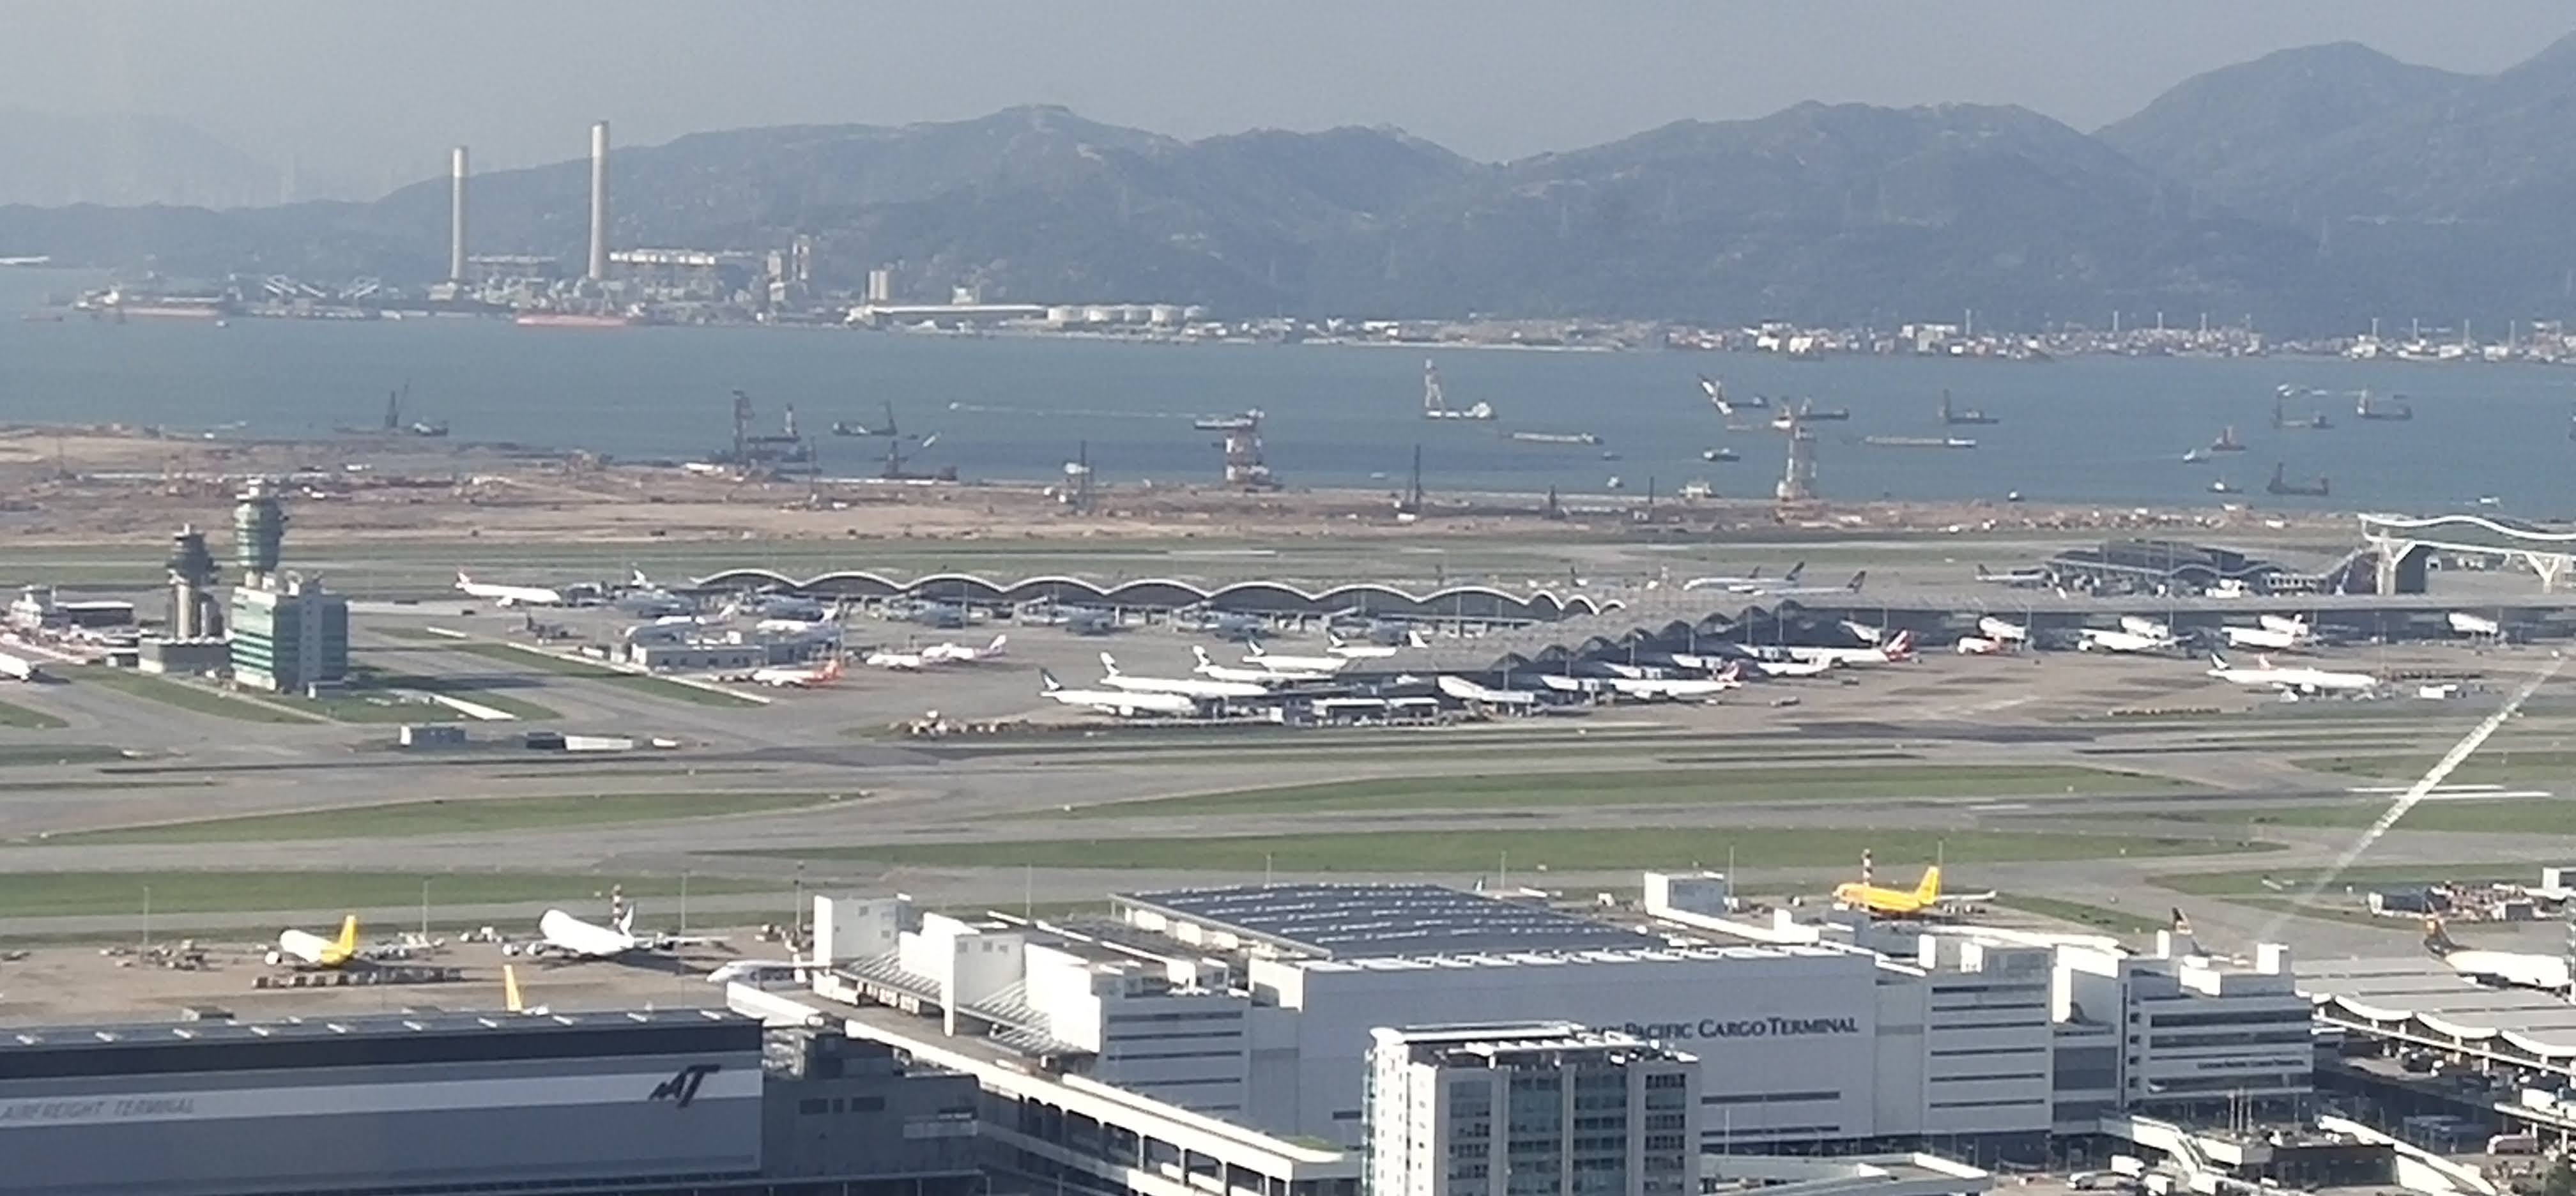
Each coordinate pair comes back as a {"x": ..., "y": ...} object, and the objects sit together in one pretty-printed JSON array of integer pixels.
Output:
[{"x": 1223, "y": 1032}]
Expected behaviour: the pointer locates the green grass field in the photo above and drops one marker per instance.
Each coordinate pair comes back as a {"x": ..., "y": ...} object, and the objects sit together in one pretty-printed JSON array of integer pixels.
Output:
[
  {"x": 2095, "y": 917},
  {"x": 2499, "y": 816},
  {"x": 189, "y": 696},
  {"x": 57, "y": 753},
  {"x": 61, "y": 894},
  {"x": 1534, "y": 790},
  {"x": 28, "y": 720},
  {"x": 2489, "y": 767},
  {"x": 2286, "y": 884},
  {"x": 537, "y": 662},
  {"x": 1530, "y": 851},
  {"x": 482, "y": 815}
]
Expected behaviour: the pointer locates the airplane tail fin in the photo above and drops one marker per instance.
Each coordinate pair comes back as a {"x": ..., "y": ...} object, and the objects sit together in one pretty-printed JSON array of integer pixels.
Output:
[
  {"x": 1901, "y": 647},
  {"x": 2217, "y": 661},
  {"x": 1734, "y": 671},
  {"x": 635, "y": 577},
  {"x": 1109, "y": 664},
  {"x": 510, "y": 989},
  {"x": 1001, "y": 643},
  {"x": 831, "y": 669},
  {"x": 1047, "y": 682},
  {"x": 1929, "y": 890},
  {"x": 347, "y": 944},
  {"x": 1415, "y": 639},
  {"x": 1333, "y": 639},
  {"x": 1253, "y": 647},
  {"x": 624, "y": 922},
  {"x": 1857, "y": 580},
  {"x": 1196, "y": 651},
  {"x": 1795, "y": 571},
  {"x": 2437, "y": 939}
]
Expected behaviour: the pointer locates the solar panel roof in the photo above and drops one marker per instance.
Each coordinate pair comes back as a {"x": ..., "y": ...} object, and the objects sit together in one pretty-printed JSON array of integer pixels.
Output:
[{"x": 1354, "y": 920}]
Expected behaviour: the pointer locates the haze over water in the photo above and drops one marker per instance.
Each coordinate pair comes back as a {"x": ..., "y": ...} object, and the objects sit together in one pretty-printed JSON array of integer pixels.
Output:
[{"x": 2088, "y": 429}]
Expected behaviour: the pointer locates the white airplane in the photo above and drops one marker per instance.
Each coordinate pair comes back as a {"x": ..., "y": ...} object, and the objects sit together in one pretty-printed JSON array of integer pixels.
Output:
[
  {"x": 313, "y": 950},
  {"x": 1978, "y": 645},
  {"x": 1575, "y": 685},
  {"x": 1188, "y": 687},
  {"x": 2297, "y": 680},
  {"x": 955, "y": 653},
  {"x": 2094, "y": 638},
  {"x": 2141, "y": 625},
  {"x": 508, "y": 595},
  {"x": 1793, "y": 668},
  {"x": 886, "y": 658},
  {"x": 1899, "y": 647},
  {"x": 801, "y": 676},
  {"x": 563, "y": 934},
  {"x": 1261, "y": 659},
  {"x": 1748, "y": 582},
  {"x": 2502, "y": 969},
  {"x": 1671, "y": 689},
  {"x": 2019, "y": 578},
  {"x": 18, "y": 668},
  {"x": 2285, "y": 625},
  {"x": 1118, "y": 701},
  {"x": 2003, "y": 631},
  {"x": 2462, "y": 623},
  {"x": 1263, "y": 677},
  {"x": 1469, "y": 691},
  {"x": 1351, "y": 651},
  {"x": 757, "y": 972},
  {"x": 1864, "y": 631},
  {"x": 2266, "y": 638}
]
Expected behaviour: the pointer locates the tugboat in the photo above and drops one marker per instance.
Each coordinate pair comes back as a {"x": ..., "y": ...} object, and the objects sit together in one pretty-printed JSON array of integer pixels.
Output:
[
  {"x": 1720, "y": 454},
  {"x": 2227, "y": 442}
]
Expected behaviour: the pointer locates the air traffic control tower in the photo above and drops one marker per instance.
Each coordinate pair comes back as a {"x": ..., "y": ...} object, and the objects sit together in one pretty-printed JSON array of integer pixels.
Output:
[{"x": 289, "y": 635}]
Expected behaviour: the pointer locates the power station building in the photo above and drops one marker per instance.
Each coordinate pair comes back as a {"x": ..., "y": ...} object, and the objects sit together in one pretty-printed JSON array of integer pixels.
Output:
[{"x": 671, "y": 1101}]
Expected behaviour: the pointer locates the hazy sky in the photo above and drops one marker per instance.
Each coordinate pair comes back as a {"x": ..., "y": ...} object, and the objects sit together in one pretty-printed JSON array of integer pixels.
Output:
[{"x": 372, "y": 93}]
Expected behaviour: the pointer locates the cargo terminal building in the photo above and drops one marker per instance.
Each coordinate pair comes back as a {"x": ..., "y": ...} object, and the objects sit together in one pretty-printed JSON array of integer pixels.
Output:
[
  {"x": 1222, "y": 1032},
  {"x": 696, "y": 1101}
]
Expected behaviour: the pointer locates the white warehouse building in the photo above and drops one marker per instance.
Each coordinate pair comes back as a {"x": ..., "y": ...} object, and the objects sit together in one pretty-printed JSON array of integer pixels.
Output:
[{"x": 1225, "y": 1031}]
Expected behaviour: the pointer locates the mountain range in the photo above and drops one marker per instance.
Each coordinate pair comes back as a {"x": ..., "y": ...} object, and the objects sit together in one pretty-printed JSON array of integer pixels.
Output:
[{"x": 2311, "y": 189}]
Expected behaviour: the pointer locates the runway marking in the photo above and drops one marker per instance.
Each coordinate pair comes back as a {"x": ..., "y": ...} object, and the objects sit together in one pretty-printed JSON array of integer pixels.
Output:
[{"x": 2000, "y": 806}]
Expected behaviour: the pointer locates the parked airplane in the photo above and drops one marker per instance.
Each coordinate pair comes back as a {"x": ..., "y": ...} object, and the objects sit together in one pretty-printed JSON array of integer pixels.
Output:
[
  {"x": 2267, "y": 638},
  {"x": 1260, "y": 658},
  {"x": 1468, "y": 691},
  {"x": 1787, "y": 591},
  {"x": 1672, "y": 689},
  {"x": 1792, "y": 668},
  {"x": 1264, "y": 677},
  {"x": 1899, "y": 647},
  {"x": 1118, "y": 701},
  {"x": 2150, "y": 628},
  {"x": 2297, "y": 680},
  {"x": 801, "y": 676},
  {"x": 561, "y": 933},
  {"x": 1352, "y": 651},
  {"x": 2094, "y": 638},
  {"x": 313, "y": 950},
  {"x": 509, "y": 595},
  {"x": 1925, "y": 897},
  {"x": 1574, "y": 685},
  {"x": 2501, "y": 969},
  {"x": 887, "y": 658},
  {"x": 1188, "y": 687},
  {"x": 1894, "y": 903},
  {"x": 2477, "y": 626},
  {"x": 644, "y": 599},
  {"x": 1978, "y": 645},
  {"x": 2027, "y": 577},
  {"x": 1998, "y": 629},
  {"x": 14, "y": 667},
  {"x": 956, "y": 653},
  {"x": 1750, "y": 581},
  {"x": 2286, "y": 625}
]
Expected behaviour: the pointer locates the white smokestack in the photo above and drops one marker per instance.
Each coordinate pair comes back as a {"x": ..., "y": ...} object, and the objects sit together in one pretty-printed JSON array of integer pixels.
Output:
[
  {"x": 599, "y": 202},
  {"x": 456, "y": 215}
]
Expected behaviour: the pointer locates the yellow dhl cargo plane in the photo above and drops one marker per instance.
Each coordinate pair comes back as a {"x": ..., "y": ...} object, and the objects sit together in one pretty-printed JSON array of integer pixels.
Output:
[
  {"x": 314, "y": 951},
  {"x": 1925, "y": 897}
]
